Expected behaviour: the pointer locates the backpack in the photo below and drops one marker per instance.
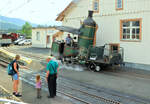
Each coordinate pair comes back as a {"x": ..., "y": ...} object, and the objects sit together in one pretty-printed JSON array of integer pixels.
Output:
[{"x": 10, "y": 69}]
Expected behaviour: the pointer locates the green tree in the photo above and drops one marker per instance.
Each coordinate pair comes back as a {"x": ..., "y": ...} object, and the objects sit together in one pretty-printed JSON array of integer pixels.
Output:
[{"x": 27, "y": 29}]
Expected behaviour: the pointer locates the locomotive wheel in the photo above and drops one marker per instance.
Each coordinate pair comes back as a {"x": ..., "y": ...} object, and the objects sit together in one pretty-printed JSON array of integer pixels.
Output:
[
  {"x": 92, "y": 66},
  {"x": 98, "y": 68}
]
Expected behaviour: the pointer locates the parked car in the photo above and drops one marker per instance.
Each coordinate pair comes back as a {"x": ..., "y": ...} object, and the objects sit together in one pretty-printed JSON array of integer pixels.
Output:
[
  {"x": 21, "y": 42},
  {"x": 28, "y": 42},
  {"x": 17, "y": 41},
  {"x": 25, "y": 42}
]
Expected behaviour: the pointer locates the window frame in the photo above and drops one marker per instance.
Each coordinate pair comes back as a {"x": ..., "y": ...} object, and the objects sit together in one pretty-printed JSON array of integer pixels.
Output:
[
  {"x": 140, "y": 32},
  {"x": 117, "y": 5},
  {"x": 96, "y": 11}
]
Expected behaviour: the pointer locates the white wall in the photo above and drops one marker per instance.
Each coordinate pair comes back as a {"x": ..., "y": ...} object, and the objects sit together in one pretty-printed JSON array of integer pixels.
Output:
[
  {"x": 109, "y": 6},
  {"x": 108, "y": 20},
  {"x": 44, "y": 32},
  {"x": 39, "y": 43},
  {"x": 77, "y": 13},
  {"x": 109, "y": 32}
]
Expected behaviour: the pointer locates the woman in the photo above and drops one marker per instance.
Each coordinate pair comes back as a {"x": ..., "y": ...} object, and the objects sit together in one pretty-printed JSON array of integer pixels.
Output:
[{"x": 16, "y": 76}]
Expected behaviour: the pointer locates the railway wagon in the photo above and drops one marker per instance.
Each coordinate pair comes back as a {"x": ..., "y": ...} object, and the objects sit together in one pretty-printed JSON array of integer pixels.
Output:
[{"x": 84, "y": 51}]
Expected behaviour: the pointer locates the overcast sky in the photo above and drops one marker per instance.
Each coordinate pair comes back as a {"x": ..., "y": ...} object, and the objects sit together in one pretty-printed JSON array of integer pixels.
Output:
[{"x": 36, "y": 11}]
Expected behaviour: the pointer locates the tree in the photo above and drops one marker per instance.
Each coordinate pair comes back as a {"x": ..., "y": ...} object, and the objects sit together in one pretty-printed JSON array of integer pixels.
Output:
[{"x": 27, "y": 29}]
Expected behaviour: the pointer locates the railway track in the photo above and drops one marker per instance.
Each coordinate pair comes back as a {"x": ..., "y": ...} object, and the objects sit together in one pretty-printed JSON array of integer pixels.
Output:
[
  {"x": 114, "y": 96},
  {"x": 110, "y": 72},
  {"x": 86, "y": 89},
  {"x": 80, "y": 93},
  {"x": 70, "y": 94},
  {"x": 92, "y": 94}
]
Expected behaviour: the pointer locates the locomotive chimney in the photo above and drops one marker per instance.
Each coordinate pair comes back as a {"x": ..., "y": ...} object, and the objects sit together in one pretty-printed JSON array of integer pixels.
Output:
[{"x": 90, "y": 14}]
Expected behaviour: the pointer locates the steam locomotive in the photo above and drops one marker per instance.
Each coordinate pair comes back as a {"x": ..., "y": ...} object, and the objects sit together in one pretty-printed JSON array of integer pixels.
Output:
[{"x": 84, "y": 51}]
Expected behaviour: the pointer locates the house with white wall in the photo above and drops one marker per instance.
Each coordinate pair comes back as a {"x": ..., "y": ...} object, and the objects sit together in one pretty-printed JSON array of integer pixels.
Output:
[
  {"x": 42, "y": 37},
  {"x": 121, "y": 23}
]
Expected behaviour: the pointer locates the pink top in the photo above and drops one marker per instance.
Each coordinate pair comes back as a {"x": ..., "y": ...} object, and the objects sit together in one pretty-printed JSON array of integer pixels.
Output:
[{"x": 39, "y": 84}]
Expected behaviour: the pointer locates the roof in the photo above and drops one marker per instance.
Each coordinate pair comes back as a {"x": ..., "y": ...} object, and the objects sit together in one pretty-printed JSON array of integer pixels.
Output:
[
  {"x": 64, "y": 12},
  {"x": 43, "y": 27},
  {"x": 68, "y": 29}
]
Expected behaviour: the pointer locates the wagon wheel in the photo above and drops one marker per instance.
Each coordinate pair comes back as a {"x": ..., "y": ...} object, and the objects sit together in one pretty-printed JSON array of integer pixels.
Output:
[
  {"x": 98, "y": 68},
  {"x": 92, "y": 66}
]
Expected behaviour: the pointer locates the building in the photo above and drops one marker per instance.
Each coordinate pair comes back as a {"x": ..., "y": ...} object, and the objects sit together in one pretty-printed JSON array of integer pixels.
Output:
[
  {"x": 121, "y": 23},
  {"x": 42, "y": 37}
]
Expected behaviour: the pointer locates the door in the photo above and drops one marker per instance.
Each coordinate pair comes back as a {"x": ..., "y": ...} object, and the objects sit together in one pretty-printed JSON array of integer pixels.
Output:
[{"x": 48, "y": 41}]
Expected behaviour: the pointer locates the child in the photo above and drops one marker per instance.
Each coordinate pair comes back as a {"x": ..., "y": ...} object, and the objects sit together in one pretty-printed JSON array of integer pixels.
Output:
[{"x": 38, "y": 86}]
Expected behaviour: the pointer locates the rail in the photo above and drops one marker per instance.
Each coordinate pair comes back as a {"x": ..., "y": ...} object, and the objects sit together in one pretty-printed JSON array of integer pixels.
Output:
[{"x": 69, "y": 94}]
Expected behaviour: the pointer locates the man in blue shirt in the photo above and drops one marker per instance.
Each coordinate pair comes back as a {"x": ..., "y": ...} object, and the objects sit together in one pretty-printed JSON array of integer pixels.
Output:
[
  {"x": 51, "y": 75},
  {"x": 69, "y": 40}
]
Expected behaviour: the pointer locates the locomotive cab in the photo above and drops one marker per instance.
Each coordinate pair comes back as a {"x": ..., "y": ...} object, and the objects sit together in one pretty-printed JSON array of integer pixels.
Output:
[{"x": 103, "y": 56}]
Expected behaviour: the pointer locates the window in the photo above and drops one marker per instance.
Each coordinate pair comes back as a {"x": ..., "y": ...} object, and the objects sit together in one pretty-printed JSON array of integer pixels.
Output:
[
  {"x": 96, "y": 5},
  {"x": 38, "y": 36},
  {"x": 119, "y": 4},
  {"x": 131, "y": 29}
]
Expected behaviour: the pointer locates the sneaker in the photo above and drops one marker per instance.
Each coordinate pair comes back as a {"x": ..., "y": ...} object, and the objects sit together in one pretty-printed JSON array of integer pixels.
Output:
[
  {"x": 18, "y": 95},
  {"x": 14, "y": 93}
]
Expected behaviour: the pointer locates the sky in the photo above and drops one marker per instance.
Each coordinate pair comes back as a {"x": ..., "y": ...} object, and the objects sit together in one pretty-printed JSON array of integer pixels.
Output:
[{"x": 35, "y": 11}]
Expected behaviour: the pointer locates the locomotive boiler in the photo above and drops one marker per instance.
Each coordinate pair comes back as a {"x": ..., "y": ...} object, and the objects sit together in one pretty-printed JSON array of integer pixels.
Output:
[{"x": 84, "y": 51}]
